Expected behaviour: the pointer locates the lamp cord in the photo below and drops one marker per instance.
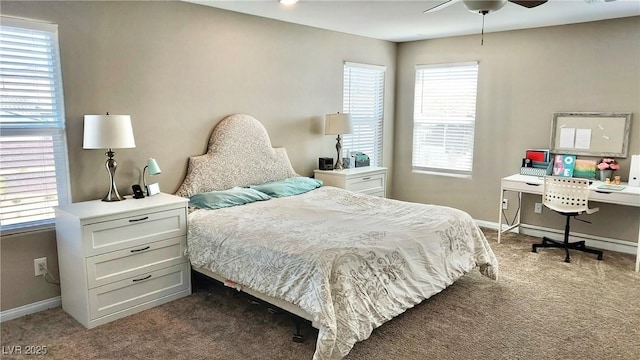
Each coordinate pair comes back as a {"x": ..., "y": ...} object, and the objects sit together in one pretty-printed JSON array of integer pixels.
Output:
[
  {"x": 515, "y": 215},
  {"x": 54, "y": 281}
]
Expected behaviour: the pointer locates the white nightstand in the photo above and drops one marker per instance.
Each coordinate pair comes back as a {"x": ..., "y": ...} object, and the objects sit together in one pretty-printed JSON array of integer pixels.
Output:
[
  {"x": 119, "y": 258},
  {"x": 370, "y": 180}
]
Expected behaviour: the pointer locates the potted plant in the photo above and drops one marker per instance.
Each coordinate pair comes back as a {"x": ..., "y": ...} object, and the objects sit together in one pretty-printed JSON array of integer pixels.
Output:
[{"x": 606, "y": 167}]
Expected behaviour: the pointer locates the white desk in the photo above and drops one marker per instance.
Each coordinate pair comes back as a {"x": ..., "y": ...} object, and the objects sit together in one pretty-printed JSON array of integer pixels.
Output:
[{"x": 629, "y": 196}]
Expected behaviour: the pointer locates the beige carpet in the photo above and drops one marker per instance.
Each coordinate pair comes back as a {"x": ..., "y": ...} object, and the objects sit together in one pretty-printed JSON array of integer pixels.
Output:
[{"x": 541, "y": 308}]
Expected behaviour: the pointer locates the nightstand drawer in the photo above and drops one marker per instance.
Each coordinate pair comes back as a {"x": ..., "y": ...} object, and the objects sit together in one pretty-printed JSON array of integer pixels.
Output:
[
  {"x": 121, "y": 295},
  {"x": 374, "y": 193},
  {"x": 126, "y": 263},
  {"x": 133, "y": 230},
  {"x": 366, "y": 184}
]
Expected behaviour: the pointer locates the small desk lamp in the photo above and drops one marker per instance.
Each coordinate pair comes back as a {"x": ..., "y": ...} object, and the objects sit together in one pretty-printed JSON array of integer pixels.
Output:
[
  {"x": 154, "y": 169},
  {"x": 337, "y": 124},
  {"x": 109, "y": 132}
]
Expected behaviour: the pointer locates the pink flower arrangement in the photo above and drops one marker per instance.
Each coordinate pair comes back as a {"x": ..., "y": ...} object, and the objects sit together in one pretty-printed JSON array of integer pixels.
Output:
[{"x": 608, "y": 164}]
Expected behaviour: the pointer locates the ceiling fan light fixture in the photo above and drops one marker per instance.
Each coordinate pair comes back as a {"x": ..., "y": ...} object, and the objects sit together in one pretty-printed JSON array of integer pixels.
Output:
[{"x": 484, "y": 6}]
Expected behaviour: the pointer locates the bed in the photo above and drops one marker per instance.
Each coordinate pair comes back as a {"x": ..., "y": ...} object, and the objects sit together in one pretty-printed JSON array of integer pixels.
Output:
[{"x": 345, "y": 261}]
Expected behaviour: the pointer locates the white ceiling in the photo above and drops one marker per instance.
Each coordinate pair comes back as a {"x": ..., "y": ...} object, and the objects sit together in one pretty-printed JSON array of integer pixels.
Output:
[{"x": 401, "y": 21}]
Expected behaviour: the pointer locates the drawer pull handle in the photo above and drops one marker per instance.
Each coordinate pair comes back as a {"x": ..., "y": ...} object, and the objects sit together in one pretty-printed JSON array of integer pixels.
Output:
[
  {"x": 143, "y": 249},
  {"x": 135, "y": 220},
  {"x": 531, "y": 184},
  {"x": 144, "y": 278},
  {"x": 366, "y": 178},
  {"x": 603, "y": 192}
]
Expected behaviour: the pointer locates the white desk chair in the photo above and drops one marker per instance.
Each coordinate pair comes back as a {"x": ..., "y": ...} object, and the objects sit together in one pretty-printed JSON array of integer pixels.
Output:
[{"x": 569, "y": 197}]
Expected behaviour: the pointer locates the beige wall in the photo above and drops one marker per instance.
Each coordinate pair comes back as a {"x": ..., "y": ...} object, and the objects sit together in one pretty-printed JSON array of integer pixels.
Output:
[
  {"x": 524, "y": 77},
  {"x": 178, "y": 68},
  {"x": 19, "y": 285}
]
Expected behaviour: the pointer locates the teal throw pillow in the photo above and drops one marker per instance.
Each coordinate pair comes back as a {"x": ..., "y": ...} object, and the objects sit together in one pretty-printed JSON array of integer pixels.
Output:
[
  {"x": 226, "y": 198},
  {"x": 288, "y": 187}
]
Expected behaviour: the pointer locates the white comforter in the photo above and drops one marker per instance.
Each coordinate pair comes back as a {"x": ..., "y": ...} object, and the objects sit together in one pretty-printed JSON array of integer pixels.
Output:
[{"x": 351, "y": 261}]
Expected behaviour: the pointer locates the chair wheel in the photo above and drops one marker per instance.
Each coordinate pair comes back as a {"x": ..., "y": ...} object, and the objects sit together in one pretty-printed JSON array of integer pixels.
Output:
[
  {"x": 600, "y": 257},
  {"x": 534, "y": 249},
  {"x": 298, "y": 338},
  {"x": 567, "y": 260}
]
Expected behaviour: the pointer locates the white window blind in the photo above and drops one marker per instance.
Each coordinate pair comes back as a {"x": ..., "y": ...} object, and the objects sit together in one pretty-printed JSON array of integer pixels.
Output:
[
  {"x": 363, "y": 98},
  {"x": 33, "y": 157},
  {"x": 444, "y": 118}
]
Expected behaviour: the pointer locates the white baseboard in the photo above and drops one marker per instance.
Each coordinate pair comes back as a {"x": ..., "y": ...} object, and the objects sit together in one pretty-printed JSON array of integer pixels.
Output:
[
  {"x": 487, "y": 224},
  {"x": 598, "y": 242},
  {"x": 30, "y": 309}
]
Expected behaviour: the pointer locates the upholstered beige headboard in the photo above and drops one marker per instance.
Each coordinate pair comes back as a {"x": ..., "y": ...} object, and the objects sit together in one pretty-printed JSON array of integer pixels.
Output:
[{"x": 239, "y": 154}]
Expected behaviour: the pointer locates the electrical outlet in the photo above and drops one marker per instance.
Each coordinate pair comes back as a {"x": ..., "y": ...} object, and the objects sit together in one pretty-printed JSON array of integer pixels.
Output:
[
  {"x": 40, "y": 266},
  {"x": 537, "y": 208},
  {"x": 505, "y": 204}
]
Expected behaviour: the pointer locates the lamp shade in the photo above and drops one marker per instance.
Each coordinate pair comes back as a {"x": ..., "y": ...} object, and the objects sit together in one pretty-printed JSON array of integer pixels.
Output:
[
  {"x": 337, "y": 124},
  {"x": 154, "y": 169},
  {"x": 108, "y": 132}
]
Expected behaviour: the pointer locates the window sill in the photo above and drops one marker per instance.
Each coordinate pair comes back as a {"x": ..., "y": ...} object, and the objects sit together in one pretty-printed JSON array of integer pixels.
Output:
[
  {"x": 437, "y": 173},
  {"x": 27, "y": 230}
]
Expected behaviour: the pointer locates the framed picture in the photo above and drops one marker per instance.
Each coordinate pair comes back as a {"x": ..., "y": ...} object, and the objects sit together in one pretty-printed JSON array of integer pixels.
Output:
[
  {"x": 563, "y": 165},
  {"x": 591, "y": 133},
  {"x": 584, "y": 168},
  {"x": 153, "y": 189}
]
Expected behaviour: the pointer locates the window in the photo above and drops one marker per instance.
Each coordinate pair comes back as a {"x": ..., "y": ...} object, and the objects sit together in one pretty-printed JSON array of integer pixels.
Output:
[
  {"x": 363, "y": 98},
  {"x": 444, "y": 118},
  {"x": 33, "y": 156}
]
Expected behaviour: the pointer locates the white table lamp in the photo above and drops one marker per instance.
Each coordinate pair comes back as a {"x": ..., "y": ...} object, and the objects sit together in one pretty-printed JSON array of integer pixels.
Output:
[
  {"x": 109, "y": 132},
  {"x": 338, "y": 124}
]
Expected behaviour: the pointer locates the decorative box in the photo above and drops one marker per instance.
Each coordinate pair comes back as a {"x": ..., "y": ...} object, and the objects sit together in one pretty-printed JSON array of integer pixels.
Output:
[{"x": 539, "y": 169}]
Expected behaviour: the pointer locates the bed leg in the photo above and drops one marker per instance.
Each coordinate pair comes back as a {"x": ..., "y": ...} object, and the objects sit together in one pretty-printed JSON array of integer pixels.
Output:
[{"x": 297, "y": 337}]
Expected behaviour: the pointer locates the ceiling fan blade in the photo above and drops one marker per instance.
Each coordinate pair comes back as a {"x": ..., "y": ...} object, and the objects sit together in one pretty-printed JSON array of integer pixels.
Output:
[
  {"x": 528, "y": 3},
  {"x": 440, "y": 6}
]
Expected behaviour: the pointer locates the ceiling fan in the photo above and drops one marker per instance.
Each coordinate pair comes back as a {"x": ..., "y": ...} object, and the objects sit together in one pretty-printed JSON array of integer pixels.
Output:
[{"x": 485, "y": 6}]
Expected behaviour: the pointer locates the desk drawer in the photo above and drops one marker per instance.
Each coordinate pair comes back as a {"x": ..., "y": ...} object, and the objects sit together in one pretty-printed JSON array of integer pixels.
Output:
[
  {"x": 121, "y": 295},
  {"x": 366, "y": 184},
  {"x": 122, "y": 264},
  {"x": 614, "y": 197},
  {"x": 134, "y": 230},
  {"x": 531, "y": 188}
]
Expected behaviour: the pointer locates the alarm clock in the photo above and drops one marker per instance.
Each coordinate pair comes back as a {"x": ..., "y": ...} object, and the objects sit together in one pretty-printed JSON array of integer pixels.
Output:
[{"x": 325, "y": 163}]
